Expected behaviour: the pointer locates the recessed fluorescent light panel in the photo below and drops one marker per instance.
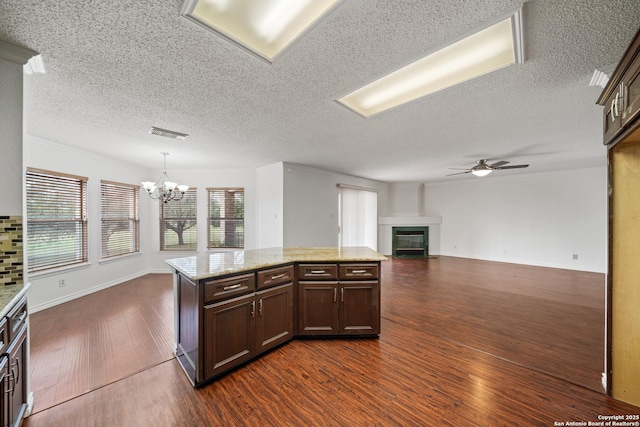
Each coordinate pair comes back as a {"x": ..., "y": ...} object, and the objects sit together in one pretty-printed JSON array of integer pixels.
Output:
[
  {"x": 265, "y": 27},
  {"x": 490, "y": 49}
]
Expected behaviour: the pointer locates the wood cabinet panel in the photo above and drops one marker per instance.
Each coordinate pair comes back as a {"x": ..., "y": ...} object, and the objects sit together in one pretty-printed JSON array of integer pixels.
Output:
[
  {"x": 275, "y": 276},
  {"x": 16, "y": 317},
  {"x": 16, "y": 379},
  {"x": 187, "y": 333},
  {"x": 358, "y": 271},
  {"x": 229, "y": 334},
  {"x": 318, "y": 308},
  {"x": 317, "y": 271},
  {"x": 274, "y": 324},
  {"x": 4, "y": 385},
  {"x": 220, "y": 289},
  {"x": 4, "y": 335},
  {"x": 359, "y": 308}
]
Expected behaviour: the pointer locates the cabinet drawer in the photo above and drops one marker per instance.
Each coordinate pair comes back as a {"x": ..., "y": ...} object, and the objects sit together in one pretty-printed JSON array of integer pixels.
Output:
[
  {"x": 4, "y": 335},
  {"x": 317, "y": 271},
  {"x": 220, "y": 289},
  {"x": 17, "y": 317},
  {"x": 358, "y": 271},
  {"x": 275, "y": 276}
]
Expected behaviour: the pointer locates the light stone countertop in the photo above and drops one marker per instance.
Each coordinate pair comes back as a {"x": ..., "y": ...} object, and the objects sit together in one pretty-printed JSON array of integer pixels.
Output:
[
  {"x": 212, "y": 264},
  {"x": 10, "y": 295}
]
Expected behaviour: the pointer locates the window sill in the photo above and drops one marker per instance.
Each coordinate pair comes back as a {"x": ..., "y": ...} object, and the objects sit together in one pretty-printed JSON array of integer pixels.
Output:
[
  {"x": 57, "y": 271},
  {"x": 119, "y": 258}
]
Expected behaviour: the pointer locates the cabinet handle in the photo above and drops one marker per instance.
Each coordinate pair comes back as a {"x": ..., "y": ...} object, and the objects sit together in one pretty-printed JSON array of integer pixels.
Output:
[
  {"x": 317, "y": 271},
  {"x": 358, "y": 271},
  {"x": 335, "y": 294},
  {"x": 341, "y": 294},
  {"x": 260, "y": 306},
  {"x": 9, "y": 379},
  {"x": 22, "y": 317},
  {"x": 623, "y": 98},
  {"x": 231, "y": 287},
  {"x": 253, "y": 308},
  {"x": 277, "y": 276},
  {"x": 17, "y": 365}
]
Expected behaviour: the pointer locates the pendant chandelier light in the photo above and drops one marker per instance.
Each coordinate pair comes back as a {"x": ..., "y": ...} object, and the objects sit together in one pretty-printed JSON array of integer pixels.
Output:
[{"x": 163, "y": 189}]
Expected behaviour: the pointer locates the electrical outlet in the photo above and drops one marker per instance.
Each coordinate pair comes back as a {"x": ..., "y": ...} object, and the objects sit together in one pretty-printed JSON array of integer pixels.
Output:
[{"x": 61, "y": 283}]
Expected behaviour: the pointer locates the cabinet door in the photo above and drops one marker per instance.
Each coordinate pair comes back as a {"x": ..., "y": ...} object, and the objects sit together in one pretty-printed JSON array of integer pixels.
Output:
[
  {"x": 632, "y": 103},
  {"x": 274, "y": 321},
  {"x": 360, "y": 308},
  {"x": 229, "y": 334},
  {"x": 17, "y": 370},
  {"x": 318, "y": 308},
  {"x": 4, "y": 388}
]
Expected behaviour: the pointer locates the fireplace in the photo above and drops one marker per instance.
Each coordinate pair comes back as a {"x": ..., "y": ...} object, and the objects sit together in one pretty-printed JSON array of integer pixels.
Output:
[{"x": 410, "y": 242}]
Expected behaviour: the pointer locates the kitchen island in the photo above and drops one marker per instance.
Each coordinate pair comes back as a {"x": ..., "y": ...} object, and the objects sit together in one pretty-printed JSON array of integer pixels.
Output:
[{"x": 232, "y": 306}]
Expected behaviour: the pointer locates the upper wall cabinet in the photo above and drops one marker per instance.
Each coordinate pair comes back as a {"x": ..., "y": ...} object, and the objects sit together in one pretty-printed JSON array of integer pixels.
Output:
[{"x": 621, "y": 96}]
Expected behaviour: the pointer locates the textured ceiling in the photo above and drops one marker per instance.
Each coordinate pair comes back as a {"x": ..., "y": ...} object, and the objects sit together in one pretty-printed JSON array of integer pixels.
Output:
[{"x": 116, "y": 68}]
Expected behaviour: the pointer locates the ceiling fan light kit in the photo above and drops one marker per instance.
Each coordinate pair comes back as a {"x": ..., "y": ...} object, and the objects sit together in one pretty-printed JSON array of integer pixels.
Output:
[{"x": 482, "y": 168}]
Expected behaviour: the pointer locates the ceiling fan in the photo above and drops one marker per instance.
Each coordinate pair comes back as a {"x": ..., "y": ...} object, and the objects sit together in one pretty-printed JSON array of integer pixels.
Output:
[{"x": 482, "y": 168}]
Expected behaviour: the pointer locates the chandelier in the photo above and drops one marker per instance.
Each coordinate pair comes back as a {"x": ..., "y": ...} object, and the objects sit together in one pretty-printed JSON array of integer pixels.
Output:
[{"x": 163, "y": 189}]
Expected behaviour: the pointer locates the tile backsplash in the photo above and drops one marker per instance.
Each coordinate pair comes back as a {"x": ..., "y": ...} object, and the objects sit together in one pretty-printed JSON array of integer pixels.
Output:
[{"x": 11, "y": 251}]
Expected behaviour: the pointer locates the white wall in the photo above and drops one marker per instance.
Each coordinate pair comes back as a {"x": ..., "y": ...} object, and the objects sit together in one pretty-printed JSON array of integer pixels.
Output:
[
  {"x": 538, "y": 219},
  {"x": 405, "y": 199},
  {"x": 311, "y": 204},
  {"x": 201, "y": 180},
  {"x": 11, "y": 137},
  {"x": 270, "y": 205},
  {"x": 96, "y": 275}
]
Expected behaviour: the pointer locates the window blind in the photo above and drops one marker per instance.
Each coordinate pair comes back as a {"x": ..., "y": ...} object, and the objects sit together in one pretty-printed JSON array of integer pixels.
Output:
[
  {"x": 56, "y": 220},
  {"x": 178, "y": 218},
  {"x": 120, "y": 222},
  {"x": 226, "y": 218}
]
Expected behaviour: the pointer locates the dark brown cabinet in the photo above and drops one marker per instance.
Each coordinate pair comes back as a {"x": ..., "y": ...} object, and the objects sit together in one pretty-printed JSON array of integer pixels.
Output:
[
  {"x": 318, "y": 308},
  {"x": 241, "y": 328},
  {"x": 621, "y": 97},
  {"x": 229, "y": 334},
  {"x": 4, "y": 400},
  {"x": 274, "y": 317},
  {"x": 225, "y": 321},
  {"x": 347, "y": 306},
  {"x": 16, "y": 391},
  {"x": 13, "y": 365}
]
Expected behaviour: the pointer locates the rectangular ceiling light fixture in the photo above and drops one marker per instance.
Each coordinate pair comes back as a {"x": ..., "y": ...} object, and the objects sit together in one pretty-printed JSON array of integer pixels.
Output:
[
  {"x": 485, "y": 51},
  {"x": 266, "y": 27}
]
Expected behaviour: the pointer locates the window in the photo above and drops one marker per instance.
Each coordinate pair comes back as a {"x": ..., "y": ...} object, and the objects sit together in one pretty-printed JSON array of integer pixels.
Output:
[
  {"x": 178, "y": 219},
  {"x": 56, "y": 220},
  {"x": 358, "y": 217},
  {"x": 120, "y": 222},
  {"x": 226, "y": 217}
]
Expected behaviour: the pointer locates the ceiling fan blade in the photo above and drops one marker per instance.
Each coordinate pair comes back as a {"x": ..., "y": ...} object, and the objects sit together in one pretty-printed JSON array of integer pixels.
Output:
[
  {"x": 459, "y": 173},
  {"x": 512, "y": 167},
  {"x": 498, "y": 164}
]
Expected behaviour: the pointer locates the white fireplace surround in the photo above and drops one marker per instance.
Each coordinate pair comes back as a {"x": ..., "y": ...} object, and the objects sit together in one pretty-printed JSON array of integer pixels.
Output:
[{"x": 386, "y": 223}]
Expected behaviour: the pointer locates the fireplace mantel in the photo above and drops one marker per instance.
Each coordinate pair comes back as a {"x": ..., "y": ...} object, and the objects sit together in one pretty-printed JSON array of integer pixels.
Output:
[{"x": 409, "y": 220}]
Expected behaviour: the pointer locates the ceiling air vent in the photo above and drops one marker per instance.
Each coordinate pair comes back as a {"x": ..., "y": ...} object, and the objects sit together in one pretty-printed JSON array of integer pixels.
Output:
[{"x": 168, "y": 133}]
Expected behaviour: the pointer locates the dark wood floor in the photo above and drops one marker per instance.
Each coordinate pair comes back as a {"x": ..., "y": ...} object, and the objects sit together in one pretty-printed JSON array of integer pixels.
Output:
[{"x": 458, "y": 347}]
